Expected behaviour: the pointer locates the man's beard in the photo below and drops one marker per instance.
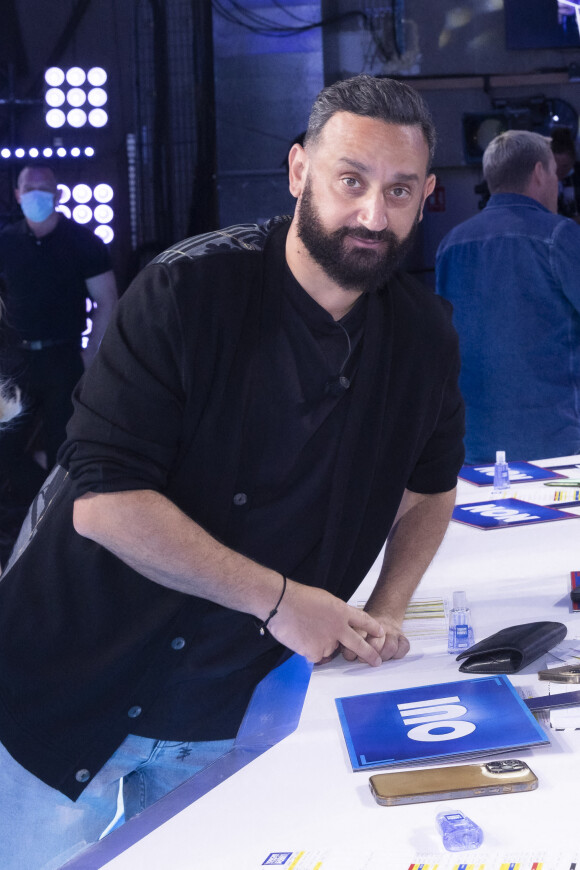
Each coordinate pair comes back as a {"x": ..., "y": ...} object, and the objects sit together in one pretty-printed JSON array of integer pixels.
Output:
[{"x": 356, "y": 268}]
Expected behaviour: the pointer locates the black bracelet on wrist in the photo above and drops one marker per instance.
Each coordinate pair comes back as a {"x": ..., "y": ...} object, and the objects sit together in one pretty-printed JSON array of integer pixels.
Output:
[{"x": 264, "y": 625}]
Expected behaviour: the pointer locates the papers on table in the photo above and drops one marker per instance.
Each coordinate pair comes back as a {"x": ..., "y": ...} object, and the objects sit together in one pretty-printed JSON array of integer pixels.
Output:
[
  {"x": 362, "y": 858},
  {"x": 519, "y": 472},
  {"x": 440, "y": 722},
  {"x": 502, "y": 513}
]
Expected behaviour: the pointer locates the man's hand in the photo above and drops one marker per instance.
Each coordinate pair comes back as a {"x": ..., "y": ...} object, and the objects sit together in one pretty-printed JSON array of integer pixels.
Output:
[
  {"x": 315, "y": 624},
  {"x": 392, "y": 645}
]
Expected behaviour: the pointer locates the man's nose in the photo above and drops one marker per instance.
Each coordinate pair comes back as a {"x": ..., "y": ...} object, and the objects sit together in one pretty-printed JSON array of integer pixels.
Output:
[{"x": 373, "y": 212}]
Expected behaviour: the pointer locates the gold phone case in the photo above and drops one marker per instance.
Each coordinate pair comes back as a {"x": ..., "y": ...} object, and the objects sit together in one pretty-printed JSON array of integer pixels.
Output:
[{"x": 457, "y": 781}]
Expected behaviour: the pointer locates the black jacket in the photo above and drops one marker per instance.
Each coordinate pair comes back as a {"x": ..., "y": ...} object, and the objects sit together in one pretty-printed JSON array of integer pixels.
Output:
[{"x": 84, "y": 640}]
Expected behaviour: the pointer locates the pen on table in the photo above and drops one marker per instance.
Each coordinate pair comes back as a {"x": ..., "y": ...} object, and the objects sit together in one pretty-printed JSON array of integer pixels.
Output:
[{"x": 566, "y": 482}]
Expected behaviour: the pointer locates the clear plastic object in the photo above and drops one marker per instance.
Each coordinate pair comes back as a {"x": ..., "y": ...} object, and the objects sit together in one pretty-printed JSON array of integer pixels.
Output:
[
  {"x": 458, "y": 832},
  {"x": 460, "y": 624},
  {"x": 501, "y": 473}
]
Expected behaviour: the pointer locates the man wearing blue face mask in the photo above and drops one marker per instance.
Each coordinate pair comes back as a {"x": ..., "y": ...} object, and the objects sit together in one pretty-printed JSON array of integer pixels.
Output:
[{"x": 49, "y": 266}]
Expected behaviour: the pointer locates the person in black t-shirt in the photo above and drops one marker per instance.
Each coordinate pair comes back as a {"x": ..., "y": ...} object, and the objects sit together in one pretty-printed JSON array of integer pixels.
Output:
[{"x": 49, "y": 266}]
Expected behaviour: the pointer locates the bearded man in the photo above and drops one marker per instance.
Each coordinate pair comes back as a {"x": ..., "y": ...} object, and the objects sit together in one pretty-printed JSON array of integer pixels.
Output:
[{"x": 268, "y": 405}]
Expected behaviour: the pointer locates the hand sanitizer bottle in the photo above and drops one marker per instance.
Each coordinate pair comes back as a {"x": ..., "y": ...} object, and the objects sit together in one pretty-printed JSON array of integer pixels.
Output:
[
  {"x": 501, "y": 473},
  {"x": 458, "y": 832},
  {"x": 460, "y": 625}
]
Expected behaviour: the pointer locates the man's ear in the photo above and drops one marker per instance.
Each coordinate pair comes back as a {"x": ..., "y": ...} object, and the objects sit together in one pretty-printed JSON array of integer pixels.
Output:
[
  {"x": 297, "y": 163},
  {"x": 428, "y": 189},
  {"x": 539, "y": 172},
  {"x": 17, "y": 195}
]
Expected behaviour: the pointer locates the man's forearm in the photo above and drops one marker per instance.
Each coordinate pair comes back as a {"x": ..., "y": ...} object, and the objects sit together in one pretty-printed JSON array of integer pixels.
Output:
[
  {"x": 417, "y": 532},
  {"x": 102, "y": 289},
  {"x": 416, "y": 535},
  {"x": 151, "y": 535}
]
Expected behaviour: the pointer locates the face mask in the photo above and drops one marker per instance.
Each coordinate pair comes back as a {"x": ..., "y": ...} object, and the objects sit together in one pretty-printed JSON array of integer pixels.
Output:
[{"x": 37, "y": 205}]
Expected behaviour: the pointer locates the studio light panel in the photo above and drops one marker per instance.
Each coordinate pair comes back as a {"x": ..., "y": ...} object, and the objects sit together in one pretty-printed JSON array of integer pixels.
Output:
[
  {"x": 45, "y": 153},
  {"x": 89, "y": 206},
  {"x": 75, "y": 97}
]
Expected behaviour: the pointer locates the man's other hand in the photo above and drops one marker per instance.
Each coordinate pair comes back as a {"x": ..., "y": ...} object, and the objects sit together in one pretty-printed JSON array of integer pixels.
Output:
[{"x": 392, "y": 645}]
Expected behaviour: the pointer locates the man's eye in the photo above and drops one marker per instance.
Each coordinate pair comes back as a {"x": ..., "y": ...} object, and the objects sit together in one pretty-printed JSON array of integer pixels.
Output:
[
  {"x": 349, "y": 181},
  {"x": 399, "y": 192}
]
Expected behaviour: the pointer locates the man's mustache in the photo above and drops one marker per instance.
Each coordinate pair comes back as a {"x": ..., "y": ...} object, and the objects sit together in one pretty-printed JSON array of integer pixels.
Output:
[{"x": 385, "y": 235}]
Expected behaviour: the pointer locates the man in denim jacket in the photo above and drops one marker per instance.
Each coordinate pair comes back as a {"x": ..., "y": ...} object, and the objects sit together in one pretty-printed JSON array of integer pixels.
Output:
[{"x": 512, "y": 273}]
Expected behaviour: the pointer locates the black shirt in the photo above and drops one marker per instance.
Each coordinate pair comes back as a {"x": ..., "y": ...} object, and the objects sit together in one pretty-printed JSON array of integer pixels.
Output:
[
  {"x": 44, "y": 279},
  {"x": 291, "y": 438}
]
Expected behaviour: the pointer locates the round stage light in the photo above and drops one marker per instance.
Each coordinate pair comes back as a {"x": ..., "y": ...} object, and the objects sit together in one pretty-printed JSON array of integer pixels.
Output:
[
  {"x": 33, "y": 152},
  {"x": 75, "y": 152},
  {"x": 82, "y": 193},
  {"x": 54, "y": 76},
  {"x": 105, "y": 233},
  {"x": 76, "y": 76},
  {"x": 97, "y": 76},
  {"x": 77, "y": 118},
  {"x": 103, "y": 214},
  {"x": 89, "y": 151},
  {"x": 97, "y": 97},
  {"x": 82, "y": 214},
  {"x": 5, "y": 152},
  {"x": 55, "y": 118},
  {"x": 103, "y": 193},
  {"x": 64, "y": 209},
  {"x": 64, "y": 193},
  {"x": 61, "y": 152},
  {"x": 76, "y": 97},
  {"x": 47, "y": 152},
  {"x": 20, "y": 152},
  {"x": 54, "y": 97},
  {"x": 98, "y": 117}
]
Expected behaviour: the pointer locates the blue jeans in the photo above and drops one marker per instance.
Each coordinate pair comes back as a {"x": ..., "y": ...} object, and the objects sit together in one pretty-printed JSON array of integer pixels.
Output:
[{"x": 41, "y": 829}]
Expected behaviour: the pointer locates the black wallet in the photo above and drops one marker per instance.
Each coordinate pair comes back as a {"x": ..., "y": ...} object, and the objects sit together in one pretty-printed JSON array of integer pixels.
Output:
[{"x": 511, "y": 649}]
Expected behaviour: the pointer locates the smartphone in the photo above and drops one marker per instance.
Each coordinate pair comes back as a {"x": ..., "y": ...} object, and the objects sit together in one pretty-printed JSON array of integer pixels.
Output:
[{"x": 457, "y": 781}]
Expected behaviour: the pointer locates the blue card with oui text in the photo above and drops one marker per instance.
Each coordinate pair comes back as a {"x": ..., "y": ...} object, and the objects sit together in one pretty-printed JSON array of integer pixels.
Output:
[
  {"x": 506, "y": 512},
  {"x": 445, "y": 721},
  {"x": 520, "y": 472}
]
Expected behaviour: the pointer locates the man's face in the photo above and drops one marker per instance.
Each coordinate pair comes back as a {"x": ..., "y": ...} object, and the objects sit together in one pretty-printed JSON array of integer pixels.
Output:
[{"x": 361, "y": 196}]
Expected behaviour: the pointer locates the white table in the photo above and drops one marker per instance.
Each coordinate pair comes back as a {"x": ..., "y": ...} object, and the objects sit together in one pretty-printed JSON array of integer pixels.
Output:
[{"x": 301, "y": 796}]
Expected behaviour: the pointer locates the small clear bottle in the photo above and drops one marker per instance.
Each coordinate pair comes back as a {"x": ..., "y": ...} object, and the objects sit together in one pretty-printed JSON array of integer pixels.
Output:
[
  {"x": 501, "y": 473},
  {"x": 458, "y": 832},
  {"x": 460, "y": 635}
]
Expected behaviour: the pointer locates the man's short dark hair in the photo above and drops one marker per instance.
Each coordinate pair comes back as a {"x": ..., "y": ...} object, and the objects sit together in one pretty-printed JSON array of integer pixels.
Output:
[
  {"x": 510, "y": 159},
  {"x": 384, "y": 99},
  {"x": 40, "y": 167}
]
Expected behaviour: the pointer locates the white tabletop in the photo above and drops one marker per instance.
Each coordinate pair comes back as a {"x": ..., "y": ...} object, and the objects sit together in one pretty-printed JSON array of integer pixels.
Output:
[{"x": 299, "y": 804}]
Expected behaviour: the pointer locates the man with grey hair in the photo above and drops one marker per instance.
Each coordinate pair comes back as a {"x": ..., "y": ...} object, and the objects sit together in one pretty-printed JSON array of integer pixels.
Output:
[
  {"x": 512, "y": 273},
  {"x": 269, "y": 403}
]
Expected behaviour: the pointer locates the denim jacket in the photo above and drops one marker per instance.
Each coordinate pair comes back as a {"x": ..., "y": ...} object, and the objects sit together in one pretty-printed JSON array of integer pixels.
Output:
[{"x": 512, "y": 273}]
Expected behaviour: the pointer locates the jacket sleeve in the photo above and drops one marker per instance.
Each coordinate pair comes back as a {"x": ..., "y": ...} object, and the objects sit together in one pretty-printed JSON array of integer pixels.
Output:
[{"x": 127, "y": 422}]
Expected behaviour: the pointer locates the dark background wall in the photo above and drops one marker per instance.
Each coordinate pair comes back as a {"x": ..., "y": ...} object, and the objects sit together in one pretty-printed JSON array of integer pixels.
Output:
[{"x": 205, "y": 98}]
